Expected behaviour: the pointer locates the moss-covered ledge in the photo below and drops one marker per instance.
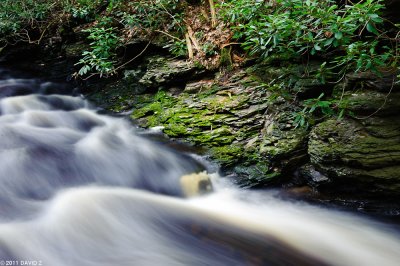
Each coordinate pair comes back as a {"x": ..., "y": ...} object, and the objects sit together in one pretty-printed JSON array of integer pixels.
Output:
[
  {"x": 350, "y": 152},
  {"x": 230, "y": 114}
]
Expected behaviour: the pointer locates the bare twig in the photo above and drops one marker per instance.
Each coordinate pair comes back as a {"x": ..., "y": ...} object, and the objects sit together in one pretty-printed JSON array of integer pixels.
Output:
[
  {"x": 124, "y": 64},
  {"x": 167, "y": 34},
  {"x": 213, "y": 14},
  {"x": 189, "y": 46},
  {"x": 383, "y": 104},
  {"x": 130, "y": 60}
]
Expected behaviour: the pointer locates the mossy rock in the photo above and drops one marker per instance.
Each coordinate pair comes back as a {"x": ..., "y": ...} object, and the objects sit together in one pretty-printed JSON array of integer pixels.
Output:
[
  {"x": 346, "y": 150},
  {"x": 258, "y": 174},
  {"x": 279, "y": 144},
  {"x": 163, "y": 70},
  {"x": 365, "y": 103},
  {"x": 227, "y": 155},
  {"x": 118, "y": 97}
]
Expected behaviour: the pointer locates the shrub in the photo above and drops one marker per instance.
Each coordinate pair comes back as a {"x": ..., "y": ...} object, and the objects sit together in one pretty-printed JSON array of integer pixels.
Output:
[
  {"x": 15, "y": 14},
  {"x": 351, "y": 33},
  {"x": 101, "y": 57}
]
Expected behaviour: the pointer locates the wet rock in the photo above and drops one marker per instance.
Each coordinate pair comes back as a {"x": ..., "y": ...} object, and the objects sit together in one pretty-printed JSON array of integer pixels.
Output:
[
  {"x": 162, "y": 70},
  {"x": 280, "y": 144},
  {"x": 252, "y": 110},
  {"x": 227, "y": 115},
  {"x": 196, "y": 184},
  {"x": 198, "y": 86},
  {"x": 312, "y": 176},
  {"x": 254, "y": 175},
  {"x": 353, "y": 154},
  {"x": 370, "y": 102},
  {"x": 384, "y": 82},
  {"x": 119, "y": 96}
]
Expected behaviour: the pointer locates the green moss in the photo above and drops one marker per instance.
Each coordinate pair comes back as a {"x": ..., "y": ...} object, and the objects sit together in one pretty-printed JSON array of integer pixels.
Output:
[
  {"x": 155, "y": 106},
  {"x": 277, "y": 143},
  {"x": 176, "y": 130},
  {"x": 222, "y": 135},
  {"x": 213, "y": 90},
  {"x": 226, "y": 58},
  {"x": 227, "y": 155}
]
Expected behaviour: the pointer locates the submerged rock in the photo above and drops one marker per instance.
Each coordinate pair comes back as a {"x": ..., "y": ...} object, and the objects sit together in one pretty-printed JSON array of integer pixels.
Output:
[{"x": 196, "y": 184}]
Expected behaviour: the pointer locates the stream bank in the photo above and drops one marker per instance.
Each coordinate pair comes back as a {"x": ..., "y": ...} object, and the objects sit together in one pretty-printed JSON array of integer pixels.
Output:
[{"x": 244, "y": 119}]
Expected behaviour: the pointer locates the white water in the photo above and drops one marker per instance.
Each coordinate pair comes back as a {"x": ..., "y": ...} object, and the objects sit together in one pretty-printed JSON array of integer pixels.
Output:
[{"x": 79, "y": 188}]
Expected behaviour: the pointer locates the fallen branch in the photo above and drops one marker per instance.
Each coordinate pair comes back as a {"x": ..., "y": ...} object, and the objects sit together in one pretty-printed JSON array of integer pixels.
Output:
[
  {"x": 167, "y": 34},
  {"x": 194, "y": 40}
]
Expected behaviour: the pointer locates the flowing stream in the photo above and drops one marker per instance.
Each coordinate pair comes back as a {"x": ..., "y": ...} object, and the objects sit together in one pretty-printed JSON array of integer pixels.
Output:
[{"x": 81, "y": 188}]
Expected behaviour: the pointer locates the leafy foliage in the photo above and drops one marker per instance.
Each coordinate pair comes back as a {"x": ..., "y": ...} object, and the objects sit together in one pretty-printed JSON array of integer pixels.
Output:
[
  {"x": 100, "y": 58},
  {"x": 19, "y": 17},
  {"x": 325, "y": 108},
  {"x": 83, "y": 9},
  {"x": 311, "y": 27},
  {"x": 349, "y": 37},
  {"x": 158, "y": 16},
  {"x": 141, "y": 17},
  {"x": 14, "y": 14}
]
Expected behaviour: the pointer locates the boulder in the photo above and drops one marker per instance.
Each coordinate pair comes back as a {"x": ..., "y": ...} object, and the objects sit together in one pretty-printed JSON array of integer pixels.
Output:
[
  {"x": 196, "y": 184},
  {"x": 357, "y": 155},
  {"x": 368, "y": 102}
]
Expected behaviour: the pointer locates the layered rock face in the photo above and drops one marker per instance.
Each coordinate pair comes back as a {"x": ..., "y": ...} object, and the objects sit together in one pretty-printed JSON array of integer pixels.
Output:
[
  {"x": 245, "y": 125},
  {"x": 364, "y": 154},
  {"x": 245, "y": 119},
  {"x": 362, "y": 151}
]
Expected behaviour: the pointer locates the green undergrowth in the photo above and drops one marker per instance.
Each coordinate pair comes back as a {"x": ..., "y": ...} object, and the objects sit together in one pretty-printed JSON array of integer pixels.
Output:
[
  {"x": 353, "y": 35},
  {"x": 32, "y": 21},
  {"x": 347, "y": 37}
]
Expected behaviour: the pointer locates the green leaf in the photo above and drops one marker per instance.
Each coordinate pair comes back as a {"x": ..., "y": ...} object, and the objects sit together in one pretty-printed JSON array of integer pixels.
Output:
[
  {"x": 340, "y": 116},
  {"x": 368, "y": 65},
  {"x": 338, "y": 35},
  {"x": 335, "y": 43},
  {"x": 375, "y": 18},
  {"x": 323, "y": 104},
  {"x": 371, "y": 28},
  {"x": 302, "y": 122},
  {"x": 328, "y": 42},
  {"x": 317, "y": 47}
]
